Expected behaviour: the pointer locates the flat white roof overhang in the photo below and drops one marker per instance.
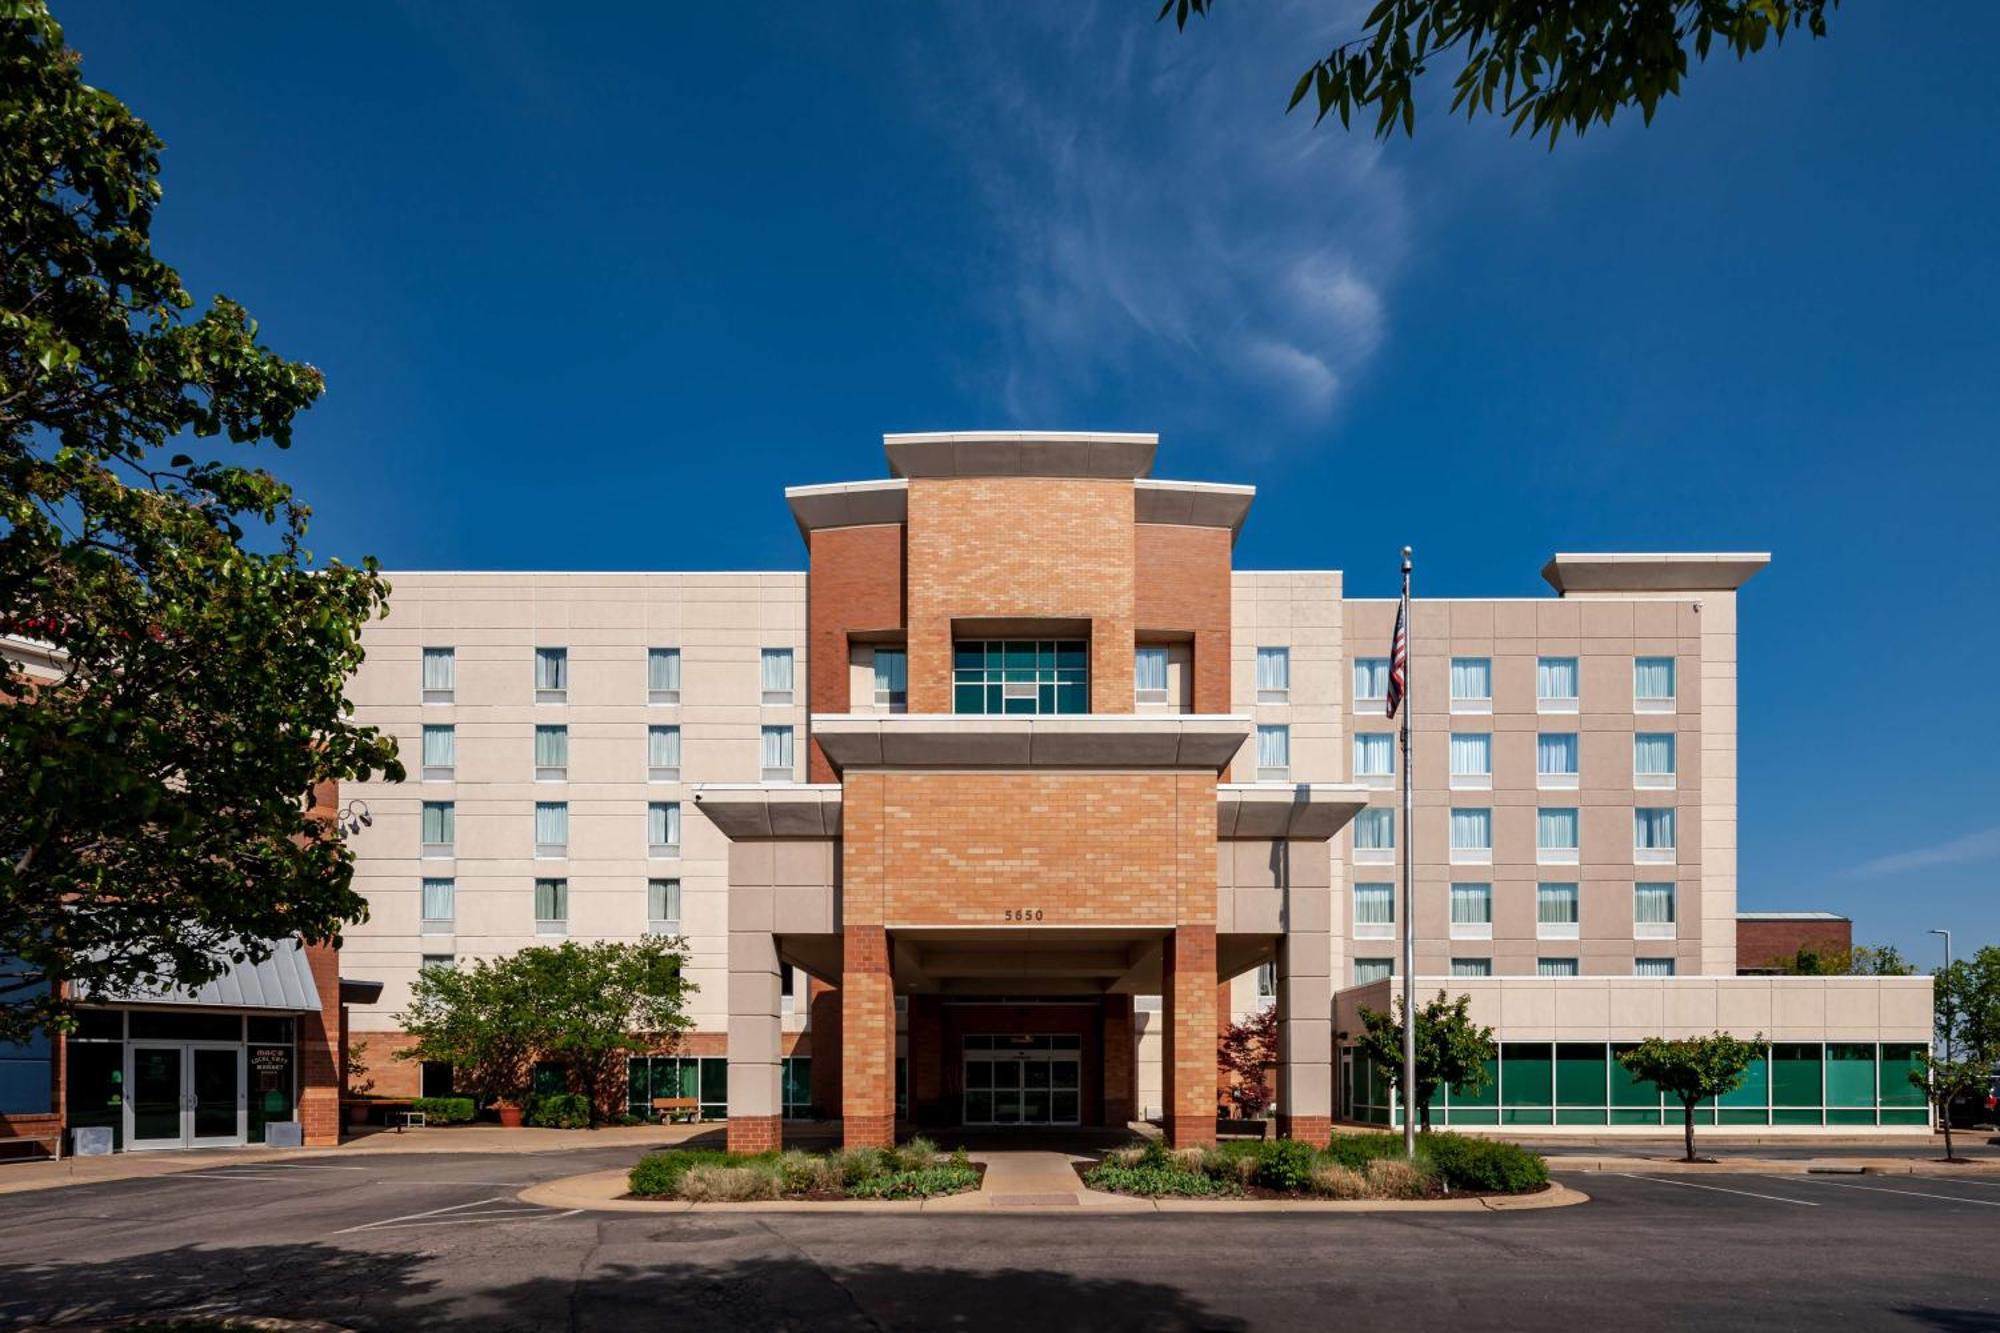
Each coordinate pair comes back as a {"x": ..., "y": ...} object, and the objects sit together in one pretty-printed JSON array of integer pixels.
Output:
[
  {"x": 858, "y": 504},
  {"x": 1021, "y": 453},
  {"x": 1635, "y": 572},
  {"x": 1196, "y": 742},
  {"x": 748, "y": 811},
  {"x": 1271, "y": 810}
]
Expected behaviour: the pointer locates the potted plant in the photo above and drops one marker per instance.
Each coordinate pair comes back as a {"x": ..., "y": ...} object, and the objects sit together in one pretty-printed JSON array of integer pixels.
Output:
[{"x": 509, "y": 1111}]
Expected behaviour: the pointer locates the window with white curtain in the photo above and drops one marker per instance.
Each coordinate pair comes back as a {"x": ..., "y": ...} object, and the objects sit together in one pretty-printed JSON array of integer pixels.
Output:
[
  {"x": 1149, "y": 674},
  {"x": 1472, "y": 911},
  {"x": 440, "y": 753},
  {"x": 1471, "y": 759},
  {"x": 1653, "y": 759},
  {"x": 663, "y": 675},
  {"x": 777, "y": 754},
  {"x": 440, "y": 826},
  {"x": 663, "y": 906},
  {"x": 1558, "y": 911},
  {"x": 440, "y": 904},
  {"x": 551, "y": 753},
  {"x": 1267, "y": 981},
  {"x": 892, "y": 680},
  {"x": 1371, "y": 681},
  {"x": 777, "y": 675},
  {"x": 440, "y": 675},
  {"x": 1472, "y": 967},
  {"x": 1471, "y": 684},
  {"x": 1472, "y": 835},
  {"x": 1556, "y": 759},
  {"x": 663, "y": 828},
  {"x": 1373, "y": 969},
  {"x": 551, "y": 675},
  {"x": 551, "y": 828},
  {"x": 1653, "y": 833},
  {"x": 1556, "y": 684},
  {"x": 1375, "y": 834},
  {"x": 1653, "y": 911},
  {"x": 663, "y": 754},
  {"x": 1556, "y": 835},
  {"x": 1652, "y": 967},
  {"x": 436, "y": 962},
  {"x": 1374, "y": 911},
  {"x": 1274, "y": 753},
  {"x": 1555, "y": 967},
  {"x": 551, "y": 906},
  {"x": 1374, "y": 755},
  {"x": 1653, "y": 684},
  {"x": 1274, "y": 675}
]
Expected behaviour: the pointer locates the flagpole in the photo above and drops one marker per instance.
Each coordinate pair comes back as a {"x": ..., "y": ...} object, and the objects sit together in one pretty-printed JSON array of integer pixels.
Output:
[{"x": 1409, "y": 897}]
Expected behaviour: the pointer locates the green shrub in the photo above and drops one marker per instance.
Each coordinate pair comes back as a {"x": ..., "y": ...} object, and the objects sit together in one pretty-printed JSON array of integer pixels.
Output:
[
  {"x": 558, "y": 1110},
  {"x": 1397, "y": 1178},
  {"x": 444, "y": 1110},
  {"x": 919, "y": 1154},
  {"x": 859, "y": 1164},
  {"x": 1331, "y": 1180},
  {"x": 810, "y": 1173},
  {"x": 1466, "y": 1163},
  {"x": 1286, "y": 1164},
  {"x": 731, "y": 1184},
  {"x": 658, "y": 1175},
  {"x": 929, "y": 1182},
  {"x": 1154, "y": 1182},
  {"x": 1356, "y": 1151}
]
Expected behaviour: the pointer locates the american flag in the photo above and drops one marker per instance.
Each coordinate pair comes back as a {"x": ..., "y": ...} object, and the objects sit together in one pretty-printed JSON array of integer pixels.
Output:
[{"x": 1399, "y": 659}]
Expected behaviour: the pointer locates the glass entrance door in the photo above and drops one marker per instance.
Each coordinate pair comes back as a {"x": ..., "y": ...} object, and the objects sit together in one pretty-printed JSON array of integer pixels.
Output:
[
  {"x": 185, "y": 1095},
  {"x": 1023, "y": 1080},
  {"x": 157, "y": 1095},
  {"x": 215, "y": 1095}
]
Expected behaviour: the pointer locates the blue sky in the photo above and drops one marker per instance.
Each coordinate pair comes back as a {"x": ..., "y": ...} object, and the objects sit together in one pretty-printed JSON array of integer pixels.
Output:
[{"x": 591, "y": 286}]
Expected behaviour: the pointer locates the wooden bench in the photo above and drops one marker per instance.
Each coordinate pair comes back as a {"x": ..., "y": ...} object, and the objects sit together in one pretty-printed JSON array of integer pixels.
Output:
[{"x": 669, "y": 1107}]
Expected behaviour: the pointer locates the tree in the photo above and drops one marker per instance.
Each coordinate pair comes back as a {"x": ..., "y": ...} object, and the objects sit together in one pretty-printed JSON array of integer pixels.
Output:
[
  {"x": 1946, "y": 1081},
  {"x": 1860, "y": 961},
  {"x": 585, "y": 1007},
  {"x": 155, "y": 783},
  {"x": 1452, "y": 1051},
  {"x": 1967, "y": 1005},
  {"x": 1693, "y": 1069},
  {"x": 1547, "y": 63},
  {"x": 1248, "y": 1050}
]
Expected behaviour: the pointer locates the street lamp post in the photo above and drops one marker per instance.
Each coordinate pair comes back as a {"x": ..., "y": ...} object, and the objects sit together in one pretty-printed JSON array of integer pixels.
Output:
[{"x": 1946, "y": 974}]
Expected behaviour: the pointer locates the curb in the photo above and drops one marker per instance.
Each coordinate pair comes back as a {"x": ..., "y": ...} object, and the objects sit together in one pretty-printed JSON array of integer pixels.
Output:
[{"x": 1769, "y": 1167}]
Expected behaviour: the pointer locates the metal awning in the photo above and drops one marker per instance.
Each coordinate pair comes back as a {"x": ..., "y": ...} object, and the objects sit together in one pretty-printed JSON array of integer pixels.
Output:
[{"x": 282, "y": 981}]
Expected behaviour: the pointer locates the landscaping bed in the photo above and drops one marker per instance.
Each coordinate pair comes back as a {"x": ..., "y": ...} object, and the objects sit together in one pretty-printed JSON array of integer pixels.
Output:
[
  {"x": 916, "y": 1170},
  {"x": 1357, "y": 1166}
]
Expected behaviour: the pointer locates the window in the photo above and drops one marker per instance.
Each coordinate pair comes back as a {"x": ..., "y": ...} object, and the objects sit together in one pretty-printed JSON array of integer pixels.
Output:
[
  {"x": 551, "y": 754},
  {"x": 552, "y": 907},
  {"x": 1274, "y": 675},
  {"x": 1653, "y": 759},
  {"x": 1472, "y": 967},
  {"x": 440, "y": 675},
  {"x": 436, "y": 962},
  {"x": 663, "y": 675},
  {"x": 1274, "y": 753},
  {"x": 1373, "y": 969},
  {"x": 1371, "y": 683},
  {"x": 1267, "y": 981},
  {"x": 1471, "y": 760},
  {"x": 440, "y": 753},
  {"x": 440, "y": 828},
  {"x": 1556, "y": 835},
  {"x": 1555, "y": 684},
  {"x": 663, "y": 906},
  {"x": 1652, "y": 967},
  {"x": 663, "y": 828},
  {"x": 1020, "y": 676},
  {"x": 1555, "y": 760},
  {"x": 1558, "y": 914},
  {"x": 1653, "y": 911},
  {"x": 1374, "y": 757},
  {"x": 440, "y": 905},
  {"x": 1652, "y": 684},
  {"x": 892, "y": 680},
  {"x": 777, "y": 675},
  {"x": 1375, "y": 836},
  {"x": 1149, "y": 674},
  {"x": 1555, "y": 967},
  {"x": 1472, "y": 911},
  {"x": 551, "y": 675},
  {"x": 551, "y": 828},
  {"x": 777, "y": 754},
  {"x": 1472, "y": 836},
  {"x": 1471, "y": 684},
  {"x": 787, "y": 1002},
  {"x": 1653, "y": 834},
  {"x": 1374, "y": 911},
  {"x": 663, "y": 754}
]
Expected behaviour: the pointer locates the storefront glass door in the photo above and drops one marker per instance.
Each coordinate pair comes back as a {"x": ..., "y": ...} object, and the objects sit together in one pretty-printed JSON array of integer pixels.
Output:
[
  {"x": 185, "y": 1095},
  {"x": 1026, "y": 1080}
]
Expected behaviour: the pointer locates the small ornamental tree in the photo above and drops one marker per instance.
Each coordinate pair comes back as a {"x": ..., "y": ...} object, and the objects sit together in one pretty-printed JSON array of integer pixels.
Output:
[
  {"x": 1693, "y": 1069},
  {"x": 1248, "y": 1050},
  {"x": 1452, "y": 1051},
  {"x": 471, "y": 1018},
  {"x": 1946, "y": 1081}
]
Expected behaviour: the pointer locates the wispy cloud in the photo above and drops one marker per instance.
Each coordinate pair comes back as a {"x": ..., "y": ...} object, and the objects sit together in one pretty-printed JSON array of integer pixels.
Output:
[
  {"x": 1159, "y": 226},
  {"x": 1970, "y": 849}
]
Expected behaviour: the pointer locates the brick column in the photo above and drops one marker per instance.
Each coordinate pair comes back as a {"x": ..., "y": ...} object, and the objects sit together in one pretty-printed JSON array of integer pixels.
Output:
[
  {"x": 320, "y": 1052},
  {"x": 1121, "y": 1081},
  {"x": 1188, "y": 1061},
  {"x": 867, "y": 1039},
  {"x": 756, "y": 1107}
]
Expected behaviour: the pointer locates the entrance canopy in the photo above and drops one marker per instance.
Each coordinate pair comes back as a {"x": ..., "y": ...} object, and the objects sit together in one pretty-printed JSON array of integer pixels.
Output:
[{"x": 282, "y": 981}]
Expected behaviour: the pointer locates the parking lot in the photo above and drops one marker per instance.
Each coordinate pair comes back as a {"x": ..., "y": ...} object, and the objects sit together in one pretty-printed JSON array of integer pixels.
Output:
[{"x": 435, "y": 1240}]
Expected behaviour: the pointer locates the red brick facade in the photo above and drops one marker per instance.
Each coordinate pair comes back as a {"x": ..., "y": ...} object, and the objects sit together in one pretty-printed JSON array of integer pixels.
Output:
[
  {"x": 1765, "y": 946},
  {"x": 1183, "y": 589},
  {"x": 855, "y": 589}
]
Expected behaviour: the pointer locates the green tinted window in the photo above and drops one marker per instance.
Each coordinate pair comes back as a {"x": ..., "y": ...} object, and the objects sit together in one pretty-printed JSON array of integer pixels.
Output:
[
  {"x": 1850, "y": 1074},
  {"x": 1021, "y": 676},
  {"x": 1899, "y": 1061}
]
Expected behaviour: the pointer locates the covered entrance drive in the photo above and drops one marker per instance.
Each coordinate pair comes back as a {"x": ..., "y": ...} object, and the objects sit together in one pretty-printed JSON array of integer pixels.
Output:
[{"x": 1021, "y": 1079}]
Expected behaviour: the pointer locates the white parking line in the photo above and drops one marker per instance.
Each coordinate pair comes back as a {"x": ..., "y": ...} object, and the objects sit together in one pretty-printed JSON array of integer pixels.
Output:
[
  {"x": 1960, "y": 1180},
  {"x": 1662, "y": 1180},
  {"x": 434, "y": 1212},
  {"x": 1911, "y": 1194},
  {"x": 522, "y": 1214}
]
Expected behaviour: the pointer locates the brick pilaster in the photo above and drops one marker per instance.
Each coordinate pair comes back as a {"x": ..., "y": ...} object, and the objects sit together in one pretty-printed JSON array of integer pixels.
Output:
[
  {"x": 868, "y": 1039},
  {"x": 1188, "y": 1063},
  {"x": 755, "y": 1133}
]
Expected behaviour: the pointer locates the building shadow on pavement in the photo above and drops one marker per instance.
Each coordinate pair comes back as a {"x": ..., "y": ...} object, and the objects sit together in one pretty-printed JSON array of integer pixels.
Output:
[
  {"x": 367, "y": 1290},
  {"x": 1951, "y": 1320}
]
